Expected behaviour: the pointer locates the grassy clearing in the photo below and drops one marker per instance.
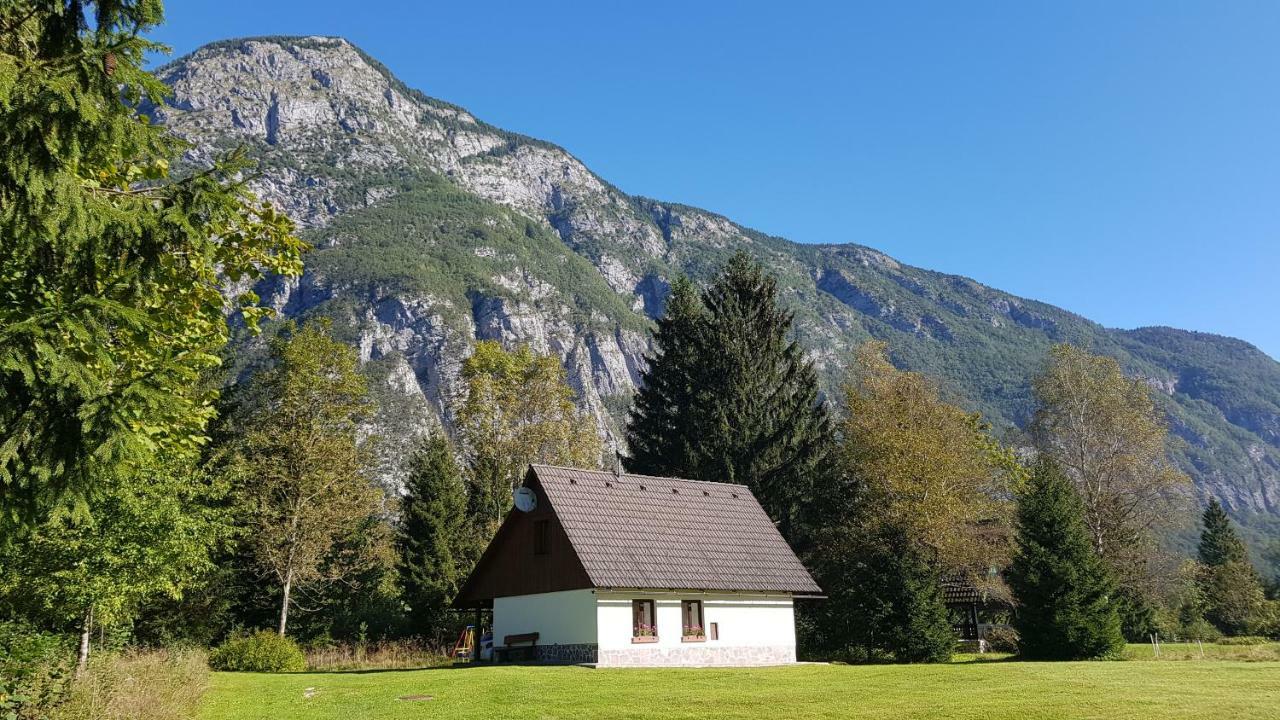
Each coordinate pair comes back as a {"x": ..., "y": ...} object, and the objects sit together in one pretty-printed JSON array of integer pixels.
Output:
[
  {"x": 400, "y": 655},
  {"x": 1267, "y": 652},
  {"x": 970, "y": 690},
  {"x": 138, "y": 685}
]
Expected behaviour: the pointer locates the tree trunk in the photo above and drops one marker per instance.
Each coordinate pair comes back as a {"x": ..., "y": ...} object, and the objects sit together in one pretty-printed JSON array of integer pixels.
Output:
[
  {"x": 284, "y": 602},
  {"x": 82, "y": 660}
]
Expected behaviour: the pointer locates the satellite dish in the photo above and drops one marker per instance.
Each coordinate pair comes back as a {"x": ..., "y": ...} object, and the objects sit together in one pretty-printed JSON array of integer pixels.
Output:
[{"x": 526, "y": 499}]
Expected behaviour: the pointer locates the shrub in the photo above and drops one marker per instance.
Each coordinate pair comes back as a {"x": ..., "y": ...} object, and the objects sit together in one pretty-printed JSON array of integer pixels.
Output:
[
  {"x": 138, "y": 685},
  {"x": 35, "y": 672},
  {"x": 1002, "y": 639},
  {"x": 263, "y": 651},
  {"x": 1243, "y": 640},
  {"x": 1200, "y": 629}
]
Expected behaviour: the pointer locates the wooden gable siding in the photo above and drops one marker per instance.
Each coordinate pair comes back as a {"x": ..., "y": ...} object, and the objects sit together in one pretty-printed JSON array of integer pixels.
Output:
[{"x": 509, "y": 565}]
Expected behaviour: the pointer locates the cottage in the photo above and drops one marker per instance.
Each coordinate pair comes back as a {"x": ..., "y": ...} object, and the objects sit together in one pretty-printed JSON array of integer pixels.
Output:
[{"x": 594, "y": 567}]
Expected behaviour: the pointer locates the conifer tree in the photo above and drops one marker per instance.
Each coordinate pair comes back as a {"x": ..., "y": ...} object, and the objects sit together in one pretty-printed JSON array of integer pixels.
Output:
[
  {"x": 885, "y": 596},
  {"x": 434, "y": 536},
  {"x": 1066, "y": 604},
  {"x": 112, "y": 273},
  {"x": 1230, "y": 586},
  {"x": 755, "y": 416},
  {"x": 1219, "y": 543},
  {"x": 659, "y": 434}
]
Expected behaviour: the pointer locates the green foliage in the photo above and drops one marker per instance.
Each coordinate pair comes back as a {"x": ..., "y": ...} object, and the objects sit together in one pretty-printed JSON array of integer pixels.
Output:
[
  {"x": 435, "y": 240},
  {"x": 301, "y": 474},
  {"x": 263, "y": 651},
  {"x": 435, "y": 539},
  {"x": 1003, "y": 640},
  {"x": 518, "y": 410},
  {"x": 660, "y": 430},
  {"x": 151, "y": 534},
  {"x": 1219, "y": 543},
  {"x": 928, "y": 465},
  {"x": 884, "y": 597},
  {"x": 1066, "y": 604},
  {"x": 741, "y": 402},
  {"x": 1230, "y": 588},
  {"x": 35, "y": 672},
  {"x": 111, "y": 281}
]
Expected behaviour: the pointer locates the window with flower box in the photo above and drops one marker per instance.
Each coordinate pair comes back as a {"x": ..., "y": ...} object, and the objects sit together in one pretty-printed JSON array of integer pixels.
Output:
[
  {"x": 691, "y": 621},
  {"x": 644, "y": 622}
]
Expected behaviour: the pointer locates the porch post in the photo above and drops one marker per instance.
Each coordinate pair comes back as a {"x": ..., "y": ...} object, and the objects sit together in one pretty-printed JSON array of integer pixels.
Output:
[{"x": 475, "y": 642}]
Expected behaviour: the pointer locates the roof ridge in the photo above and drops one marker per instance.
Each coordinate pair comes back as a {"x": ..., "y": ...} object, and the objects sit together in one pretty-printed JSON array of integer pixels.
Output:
[{"x": 640, "y": 475}]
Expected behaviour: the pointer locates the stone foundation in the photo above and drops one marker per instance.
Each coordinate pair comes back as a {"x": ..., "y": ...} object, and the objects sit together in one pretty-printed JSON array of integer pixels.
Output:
[
  {"x": 696, "y": 656},
  {"x": 567, "y": 654}
]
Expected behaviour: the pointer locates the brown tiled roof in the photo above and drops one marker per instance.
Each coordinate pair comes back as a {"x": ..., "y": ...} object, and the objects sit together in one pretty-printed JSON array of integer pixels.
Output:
[{"x": 636, "y": 531}]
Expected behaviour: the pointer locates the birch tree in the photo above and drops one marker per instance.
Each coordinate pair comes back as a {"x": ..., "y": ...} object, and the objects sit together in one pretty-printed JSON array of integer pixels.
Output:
[
  {"x": 301, "y": 470},
  {"x": 1108, "y": 437}
]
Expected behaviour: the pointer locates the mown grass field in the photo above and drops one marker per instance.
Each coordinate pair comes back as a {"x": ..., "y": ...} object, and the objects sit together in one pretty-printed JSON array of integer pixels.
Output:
[{"x": 1145, "y": 689}]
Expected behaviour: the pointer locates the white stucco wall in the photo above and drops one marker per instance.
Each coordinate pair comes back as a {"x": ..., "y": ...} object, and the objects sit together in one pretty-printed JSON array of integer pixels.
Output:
[
  {"x": 559, "y": 618},
  {"x": 743, "y": 620}
]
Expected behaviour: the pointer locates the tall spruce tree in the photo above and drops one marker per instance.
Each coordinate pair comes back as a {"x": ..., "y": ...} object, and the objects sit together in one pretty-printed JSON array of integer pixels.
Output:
[
  {"x": 434, "y": 536},
  {"x": 1229, "y": 585},
  {"x": 1219, "y": 543},
  {"x": 754, "y": 415},
  {"x": 884, "y": 595},
  {"x": 112, "y": 275},
  {"x": 1066, "y": 597},
  {"x": 659, "y": 433}
]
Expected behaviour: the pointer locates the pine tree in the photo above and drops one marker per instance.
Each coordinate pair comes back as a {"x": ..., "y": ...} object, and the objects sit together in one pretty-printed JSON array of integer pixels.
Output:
[
  {"x": 1066, "y": 605},
  {"x": 1229, "y": 584},
  {"x": 658, "y": 429},
  {"x": 885, "y": 596},
  {"x": 112, "y": 274},
  {"x": 434, "y": 536},
  {"x": 755, "y": 416},
  {"x": 1219, "y": 543}
]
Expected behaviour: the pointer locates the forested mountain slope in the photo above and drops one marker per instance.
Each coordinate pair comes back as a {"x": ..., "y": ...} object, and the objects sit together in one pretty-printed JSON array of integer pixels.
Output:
[{"x": 432, "y": 228}]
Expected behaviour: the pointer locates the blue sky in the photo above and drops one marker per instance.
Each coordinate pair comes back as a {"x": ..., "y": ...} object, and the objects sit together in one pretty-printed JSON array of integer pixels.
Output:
[{"x": 1119, "y": 159}]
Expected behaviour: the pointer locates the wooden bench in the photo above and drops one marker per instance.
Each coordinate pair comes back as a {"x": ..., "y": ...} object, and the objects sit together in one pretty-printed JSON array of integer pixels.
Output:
[{"x": 516, "y": 649}]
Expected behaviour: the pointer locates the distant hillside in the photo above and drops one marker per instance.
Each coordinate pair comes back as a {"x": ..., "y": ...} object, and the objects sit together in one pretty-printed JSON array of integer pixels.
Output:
[{"x": 433, "y": 229}]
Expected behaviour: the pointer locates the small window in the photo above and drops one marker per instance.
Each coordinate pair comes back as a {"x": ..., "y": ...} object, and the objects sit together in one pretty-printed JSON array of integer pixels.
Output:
[
  {"x": 691, "y": 620},
  {"x": 714, "y": 634},
  {"x": 644, "y": 623},
  {"x": 541, "y": 537}
]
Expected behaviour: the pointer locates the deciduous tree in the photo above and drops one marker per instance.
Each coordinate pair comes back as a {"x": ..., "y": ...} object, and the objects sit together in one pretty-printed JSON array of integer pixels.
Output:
[
  {"x": 518, "y": 409},
  {"x": 928, "y": 466},
  {"x": 1109, "y": 438},
  {"x": 112, "y": 275},
  {"x": 150, "y": 533},
  {"x": 301, "y": 470}
]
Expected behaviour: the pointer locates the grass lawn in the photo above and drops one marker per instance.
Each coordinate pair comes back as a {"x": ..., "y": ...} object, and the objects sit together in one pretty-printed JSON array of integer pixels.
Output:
[{"x": 978, "y": 690}]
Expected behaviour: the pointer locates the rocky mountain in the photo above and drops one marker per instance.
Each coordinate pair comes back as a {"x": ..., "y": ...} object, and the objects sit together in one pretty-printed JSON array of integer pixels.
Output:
[{"x": 433, "y": 229}]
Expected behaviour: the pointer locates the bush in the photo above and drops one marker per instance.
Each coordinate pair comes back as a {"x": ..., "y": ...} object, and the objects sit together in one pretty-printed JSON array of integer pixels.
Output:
[
  {"x": 1002, "y": 640},
  {"x": 138, "y": 685},
  {"x": 1200, "y": 629},
  {"x": 263, "y": 651},
  {"x": 35, "y": 672},
  {"x": 1243, "y": 640}
]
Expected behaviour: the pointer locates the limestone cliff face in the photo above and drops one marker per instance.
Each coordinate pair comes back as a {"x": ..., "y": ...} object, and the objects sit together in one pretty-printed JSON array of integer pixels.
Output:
[{"x": 433, "y": 229}]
